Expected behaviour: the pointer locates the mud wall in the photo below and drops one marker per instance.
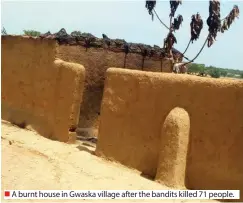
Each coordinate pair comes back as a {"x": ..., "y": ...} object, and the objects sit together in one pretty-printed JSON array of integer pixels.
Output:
[
  {"x": 133, "y": 130},
  {"x": 96, "y": 61},
  {"x": 39, "y": 91}
]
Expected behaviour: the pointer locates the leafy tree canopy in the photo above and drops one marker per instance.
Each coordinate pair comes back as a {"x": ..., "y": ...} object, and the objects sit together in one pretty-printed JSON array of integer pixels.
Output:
[
  {"x": 215, "y": 72},
  {"x": 32, "y": 33}
]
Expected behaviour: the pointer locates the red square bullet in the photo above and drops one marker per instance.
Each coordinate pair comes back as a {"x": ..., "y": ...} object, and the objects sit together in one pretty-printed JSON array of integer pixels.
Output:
[{"x": 7, "y": 194}]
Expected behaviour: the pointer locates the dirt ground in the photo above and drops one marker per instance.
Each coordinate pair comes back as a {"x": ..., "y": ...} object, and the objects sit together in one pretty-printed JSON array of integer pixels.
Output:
[{"x": 32, "y": 162}]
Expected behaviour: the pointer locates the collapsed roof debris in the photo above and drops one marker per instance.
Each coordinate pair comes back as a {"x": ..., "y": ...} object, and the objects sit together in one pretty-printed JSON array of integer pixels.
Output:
[{"x": 117, "y": 45}]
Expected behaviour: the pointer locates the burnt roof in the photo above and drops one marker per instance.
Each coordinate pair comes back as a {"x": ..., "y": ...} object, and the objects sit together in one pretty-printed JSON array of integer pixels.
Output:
[{"x": 118, "y": 45}]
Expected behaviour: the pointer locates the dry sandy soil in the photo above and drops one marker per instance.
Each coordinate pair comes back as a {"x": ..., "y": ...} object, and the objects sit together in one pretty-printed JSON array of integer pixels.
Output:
[{"x": 32, "y": 162}]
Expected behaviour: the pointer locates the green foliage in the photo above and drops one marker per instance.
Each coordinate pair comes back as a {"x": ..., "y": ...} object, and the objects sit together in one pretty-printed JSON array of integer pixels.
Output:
[
  {"x": 201, "y": 69},
  {"x": 223, "y": 73},
  {"x": 214, "y": 73},
  {"x": 196, "y": 68},
  {"x": 32, "y": 33}
]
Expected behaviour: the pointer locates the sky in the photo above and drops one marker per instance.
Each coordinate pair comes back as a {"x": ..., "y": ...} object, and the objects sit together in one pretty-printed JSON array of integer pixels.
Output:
[{"x": 129, "y": 20}]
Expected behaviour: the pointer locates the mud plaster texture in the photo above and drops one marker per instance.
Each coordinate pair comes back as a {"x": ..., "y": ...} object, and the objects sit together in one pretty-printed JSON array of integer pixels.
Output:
[
  {"x": 66, "y": 167},
  {"x": 38, "y": 91},
  {"x": 134, "y": 109},
  {"x": 171, "y": 168},
  {"x": 96, "y": 61}
]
